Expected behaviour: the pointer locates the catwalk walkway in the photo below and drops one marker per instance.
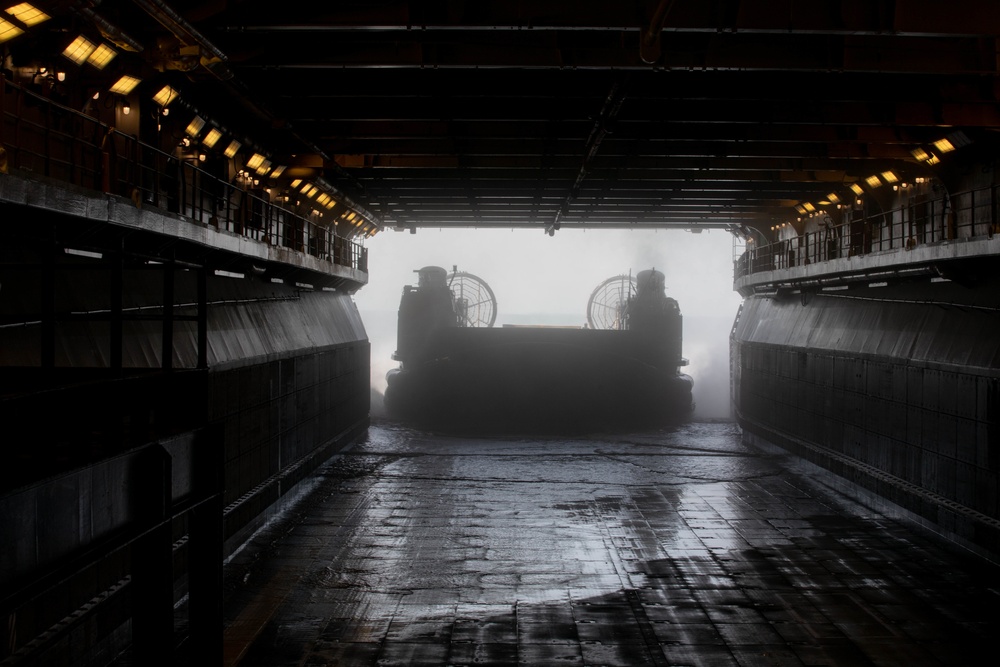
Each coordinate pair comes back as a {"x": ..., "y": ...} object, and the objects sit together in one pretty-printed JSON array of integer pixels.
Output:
[{"x": 676, "y": 548}]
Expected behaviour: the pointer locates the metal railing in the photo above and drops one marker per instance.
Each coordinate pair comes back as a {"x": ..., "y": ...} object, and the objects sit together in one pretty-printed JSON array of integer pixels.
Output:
[
  {"x": 47, "y": 138},
  {"x": 923, "y": 220}
]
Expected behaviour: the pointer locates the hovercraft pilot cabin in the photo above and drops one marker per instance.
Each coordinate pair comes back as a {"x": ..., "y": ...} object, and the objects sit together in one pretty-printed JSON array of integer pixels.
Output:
[{"x": 458, "y": 372}]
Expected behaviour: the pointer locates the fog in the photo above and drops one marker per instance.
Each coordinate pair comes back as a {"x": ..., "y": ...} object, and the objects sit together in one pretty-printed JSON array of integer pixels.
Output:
[{"x": 539, "y": 279}]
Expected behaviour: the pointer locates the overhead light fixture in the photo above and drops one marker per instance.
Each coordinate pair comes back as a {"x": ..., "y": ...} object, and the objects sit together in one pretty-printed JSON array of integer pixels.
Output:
[
  {"x": 255, "y": 161},
  {"x": 833, "y": 198},
  {"x": 920, "y": 154},
  {"x": 856, "y": 189},
  {"x": 166, "y": 96},
  {"x": 890, "y": 177},
  {"x": 809, "y": 207},
  {"x": 310, "y": 190},
  {"x": 323, "y": 199},
  {"x": 264, "y": 167},
  {"x": 295, "y": 184},
  {"x": 232, "y": 148},
  {"x": 800, "y": 209},
  {"x": 933, "y": 160},
  {"x": 195, "y": 126},
  {"x": 79, "y": 50},
  {"x": 124, "y": 85},
  {"x": 27, "y": 14},
  {"x": 873, "y": 181},
  {"x": 126, "y": 108},
  {"x": 944, "y": 145},
  {"x": 278, "y": 171},
  {"x": 212, "y": 137},
  {"x": 101, "y": 56},
  {"x": 8, "y": 30}
]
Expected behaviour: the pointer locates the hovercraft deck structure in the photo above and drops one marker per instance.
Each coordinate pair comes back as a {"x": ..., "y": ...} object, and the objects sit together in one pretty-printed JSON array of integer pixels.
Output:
[{"x": 458, "y": 372}]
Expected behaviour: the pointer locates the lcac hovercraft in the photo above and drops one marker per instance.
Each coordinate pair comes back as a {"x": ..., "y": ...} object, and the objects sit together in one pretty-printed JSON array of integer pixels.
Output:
[{"x": 459, "y": 373}]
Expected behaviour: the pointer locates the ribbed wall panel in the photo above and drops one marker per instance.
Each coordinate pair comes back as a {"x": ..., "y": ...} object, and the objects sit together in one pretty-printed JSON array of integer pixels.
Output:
[{"x": 815, "y": 372}]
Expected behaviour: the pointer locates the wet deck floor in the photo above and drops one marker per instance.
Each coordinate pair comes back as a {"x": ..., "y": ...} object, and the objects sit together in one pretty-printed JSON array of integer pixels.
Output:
[{"x": 677, "y": 548}]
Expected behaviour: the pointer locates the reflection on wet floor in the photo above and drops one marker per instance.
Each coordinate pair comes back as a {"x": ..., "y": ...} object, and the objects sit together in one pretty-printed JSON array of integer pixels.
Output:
[{"x": 683, "y": 547}]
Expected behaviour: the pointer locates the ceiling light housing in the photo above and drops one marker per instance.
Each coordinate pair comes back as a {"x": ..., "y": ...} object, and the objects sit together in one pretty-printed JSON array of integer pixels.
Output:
[
  {"x": 165, "y": 96},
  {"x": 195, "y": 126},
  {"x": 101, "y": 56},
  {"x": 944, "y": 145},
  {"x": 8, "y": 30},
  {"x": 212, "y": 137},
  {"x": 28, "y": 14},
  {"x": 79, "y": 50},
  {"x": 255, "y": 161},
  {"x": 124, "y": 85}
]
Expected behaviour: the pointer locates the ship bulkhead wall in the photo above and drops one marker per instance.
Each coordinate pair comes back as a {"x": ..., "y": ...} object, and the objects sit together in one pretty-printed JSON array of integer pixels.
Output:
[
  {"x": 287, "y": 379},
  {"x": 896, "y": 389}
]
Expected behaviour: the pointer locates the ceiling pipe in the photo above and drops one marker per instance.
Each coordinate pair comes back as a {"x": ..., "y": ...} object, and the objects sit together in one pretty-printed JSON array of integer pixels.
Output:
[
  {"x": 188, "y": 34},
  {"x": 108, "y": 29},
  {"x": 649, "y": 45},
  {"x": 602, "y": 127}
]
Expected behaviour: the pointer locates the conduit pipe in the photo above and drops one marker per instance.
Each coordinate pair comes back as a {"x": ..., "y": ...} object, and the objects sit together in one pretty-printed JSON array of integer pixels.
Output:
[
  {"x": 188, "y": 34},
  {"x": 110, "y": 30}
]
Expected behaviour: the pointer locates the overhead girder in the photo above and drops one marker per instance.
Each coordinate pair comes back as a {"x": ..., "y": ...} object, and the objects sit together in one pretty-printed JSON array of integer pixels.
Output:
[
  {"x": 614, "y": 146},
  {"x": 708, "y": 187},
  {"x": 450, "y": 112},
  {"x": 906, "y": 17},
  {"x": 796, "y": 52},
  {"x": 745, "y": 110},
  {"x": 342, "y": 132},
  {"x": 646, "y": 165}
]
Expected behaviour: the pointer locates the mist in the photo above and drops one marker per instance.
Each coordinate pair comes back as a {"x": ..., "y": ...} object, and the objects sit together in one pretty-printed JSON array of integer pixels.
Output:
[{"x": 548, "y": 280}]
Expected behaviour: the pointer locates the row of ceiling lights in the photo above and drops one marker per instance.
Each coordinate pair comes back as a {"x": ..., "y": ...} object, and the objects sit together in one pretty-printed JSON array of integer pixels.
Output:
[
  {"x": 82, "y": 50},
  {"x": 19, "y": 18},
  {"x": 941, "y": 146},
  {"x": 325, "y": 200}
]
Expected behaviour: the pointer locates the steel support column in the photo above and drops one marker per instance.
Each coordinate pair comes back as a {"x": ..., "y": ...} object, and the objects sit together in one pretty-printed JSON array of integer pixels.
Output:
[
  {"x": 152, "y": 564},
  {"x": 117, "y": 266},
  {"x": 206, "y": 551},
  {"x": 203, "y": 317},
  {"x": 167, "y": 349}
]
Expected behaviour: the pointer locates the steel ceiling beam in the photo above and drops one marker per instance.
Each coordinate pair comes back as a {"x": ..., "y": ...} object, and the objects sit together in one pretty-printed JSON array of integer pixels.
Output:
[{"x": 875, "y": 17}]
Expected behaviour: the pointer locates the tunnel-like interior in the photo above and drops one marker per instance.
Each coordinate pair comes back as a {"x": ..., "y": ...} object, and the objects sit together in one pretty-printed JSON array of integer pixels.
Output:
[{"x": 208, "y": 208}]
